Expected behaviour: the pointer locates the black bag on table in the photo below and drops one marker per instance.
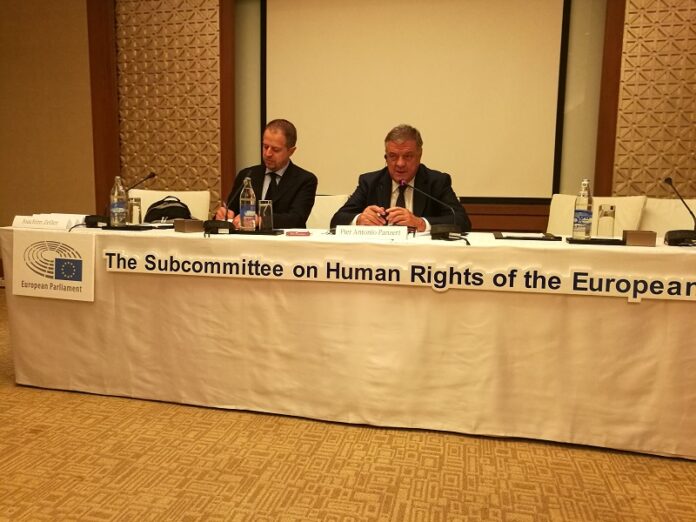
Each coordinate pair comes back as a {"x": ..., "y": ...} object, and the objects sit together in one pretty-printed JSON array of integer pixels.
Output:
[{"x": 167, "y": 209}]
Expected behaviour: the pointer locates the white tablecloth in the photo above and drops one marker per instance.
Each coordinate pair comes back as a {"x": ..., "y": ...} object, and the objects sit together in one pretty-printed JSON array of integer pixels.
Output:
[{"x": 572, "y": 368}]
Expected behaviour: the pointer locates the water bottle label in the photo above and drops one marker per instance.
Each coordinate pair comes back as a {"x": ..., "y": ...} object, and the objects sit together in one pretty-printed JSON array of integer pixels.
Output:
[
  {"x": 247, "y": 214},
  {"x": 118, "y": 213},
  {"x": 582, "y": 217},
  {"x": 247, "y": 210}
]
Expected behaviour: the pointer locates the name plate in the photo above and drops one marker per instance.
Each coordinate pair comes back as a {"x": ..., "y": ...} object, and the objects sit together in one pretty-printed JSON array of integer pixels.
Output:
[
  {"x": 48, "y": 221},
  {"x": 375, "y": 233}
]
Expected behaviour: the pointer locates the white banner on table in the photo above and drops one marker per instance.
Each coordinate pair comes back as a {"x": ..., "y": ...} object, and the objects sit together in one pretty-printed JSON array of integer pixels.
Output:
[
  {"x": 430, "y": 273},
  {"x": 55, "y": 265}
]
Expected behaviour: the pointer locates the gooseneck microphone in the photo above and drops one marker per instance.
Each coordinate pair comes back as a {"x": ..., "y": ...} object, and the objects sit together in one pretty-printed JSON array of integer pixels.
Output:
[
  {"x": 96, "y": 221},
  {"x": 439, "y": 231},
  {"x": 680, "y": 237},
  {"x": 138, "y": 183},
  {"x": 222, "y": 226},
  {"x": 236, "y": 193}
]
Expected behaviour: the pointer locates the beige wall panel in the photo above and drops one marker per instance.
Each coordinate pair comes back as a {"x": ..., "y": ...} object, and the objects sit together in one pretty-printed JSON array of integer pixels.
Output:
[
  {"x": 656, "y": 128},
  {"x": 169, "y": 93},
  {"x": 46, "y": 161}
]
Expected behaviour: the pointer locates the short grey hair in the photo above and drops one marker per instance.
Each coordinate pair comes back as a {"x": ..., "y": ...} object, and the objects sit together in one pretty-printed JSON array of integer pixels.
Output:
[{"x": 404, "y": 132}]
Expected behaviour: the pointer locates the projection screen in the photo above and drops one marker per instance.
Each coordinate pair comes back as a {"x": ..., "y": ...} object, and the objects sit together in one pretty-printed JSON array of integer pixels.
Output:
[{"x": 478, "y": 78}]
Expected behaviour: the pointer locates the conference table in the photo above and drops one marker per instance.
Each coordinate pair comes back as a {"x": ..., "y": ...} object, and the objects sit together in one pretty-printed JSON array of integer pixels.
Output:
[{"x": 585, "y": 344}]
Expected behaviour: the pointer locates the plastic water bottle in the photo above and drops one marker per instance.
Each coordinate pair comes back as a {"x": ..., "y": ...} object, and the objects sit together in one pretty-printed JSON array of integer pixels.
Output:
[
  {"x": 247, "y": 207},
  {"x": 119, "y": 203},
  {"x": 582, "y": 216}
]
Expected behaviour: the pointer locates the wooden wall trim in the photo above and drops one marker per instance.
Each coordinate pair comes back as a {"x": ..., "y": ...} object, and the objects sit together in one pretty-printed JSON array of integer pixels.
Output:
[
  {"x": 561, "y": 98},
  {"x": 227, "y": 109},
  {"x": 609, "y": 97},
  {"x": 511, "y": 217},
  {"x": 101, "y": 30}
]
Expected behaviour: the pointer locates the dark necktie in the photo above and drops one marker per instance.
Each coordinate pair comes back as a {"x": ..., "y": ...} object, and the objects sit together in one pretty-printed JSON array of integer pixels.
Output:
[
  {"x": 272, "y": 186},
  {"x": 401, "y": 198}
]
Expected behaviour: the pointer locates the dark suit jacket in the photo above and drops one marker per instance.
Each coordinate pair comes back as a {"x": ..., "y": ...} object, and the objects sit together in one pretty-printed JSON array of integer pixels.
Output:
[
  {"x": 294, "y": 197},
  {"x": 375, "y": 188}
]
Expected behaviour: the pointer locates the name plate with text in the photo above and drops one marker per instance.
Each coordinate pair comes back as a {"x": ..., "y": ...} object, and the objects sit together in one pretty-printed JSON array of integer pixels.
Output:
[
  {"x": 393, "y": 233},
  {"x": 48, "y": 221}
]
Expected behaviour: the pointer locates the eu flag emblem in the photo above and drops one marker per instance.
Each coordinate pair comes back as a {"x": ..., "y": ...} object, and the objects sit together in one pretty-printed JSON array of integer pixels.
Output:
[{"x": 68, "y": 269}]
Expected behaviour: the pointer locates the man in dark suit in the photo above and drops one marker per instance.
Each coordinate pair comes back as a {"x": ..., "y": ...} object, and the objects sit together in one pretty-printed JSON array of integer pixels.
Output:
[
  {"x": 387, "y": 196},
  {"x": 291, "y": 188}
]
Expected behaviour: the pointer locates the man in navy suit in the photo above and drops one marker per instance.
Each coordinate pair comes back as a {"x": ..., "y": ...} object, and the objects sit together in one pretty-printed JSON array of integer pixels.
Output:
[
  {"x": 291, "y": 188},
  {"x": 387, "y": 196}
]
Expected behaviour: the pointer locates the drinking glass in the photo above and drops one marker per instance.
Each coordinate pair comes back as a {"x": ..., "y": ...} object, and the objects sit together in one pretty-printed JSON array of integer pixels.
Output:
[
  {"x": 266, "y": 214},
  {"x": 605, "y": 220},
  {"x": 134, "y": 211}
]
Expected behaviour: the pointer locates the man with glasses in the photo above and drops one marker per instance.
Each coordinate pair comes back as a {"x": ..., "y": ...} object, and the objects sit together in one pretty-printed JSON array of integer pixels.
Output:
[{"x": 394, "y": 195}]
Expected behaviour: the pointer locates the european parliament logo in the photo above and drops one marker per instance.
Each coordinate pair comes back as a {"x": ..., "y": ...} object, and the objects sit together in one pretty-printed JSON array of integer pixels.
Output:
[{"x": 54, "y": 260}]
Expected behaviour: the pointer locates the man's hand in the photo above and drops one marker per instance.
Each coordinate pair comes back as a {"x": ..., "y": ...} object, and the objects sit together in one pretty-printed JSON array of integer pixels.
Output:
[
  {"x": 402, "y": 216},
  {"x": 220, "y": 214},
  {"x": 372, "y": 216}
]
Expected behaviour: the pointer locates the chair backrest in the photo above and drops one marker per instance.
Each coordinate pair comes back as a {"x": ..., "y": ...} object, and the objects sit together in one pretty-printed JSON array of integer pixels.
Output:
[
  {"x": 661, "y": 215},
  {"x": 561, "y": 215},
  {"x": 629, "y": 210},
  {"x": 198, "y": 201},
  {"x": 323, "y": 210}
]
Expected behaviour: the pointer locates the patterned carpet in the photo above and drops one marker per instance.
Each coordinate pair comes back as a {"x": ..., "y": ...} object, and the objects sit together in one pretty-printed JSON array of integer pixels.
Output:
[{"x": 73, "y": 456}]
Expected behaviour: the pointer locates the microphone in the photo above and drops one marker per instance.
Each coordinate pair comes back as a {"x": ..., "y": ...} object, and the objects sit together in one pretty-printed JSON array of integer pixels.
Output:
[
  {"x": 138, "y": 183},
  {"x": 680, "y": 237},
  {"x": 440, "y": 231},
  {"x": 236, "y": 193},
  {"x": 222, "y": 226},
  {"x": 96, "y": 221}
]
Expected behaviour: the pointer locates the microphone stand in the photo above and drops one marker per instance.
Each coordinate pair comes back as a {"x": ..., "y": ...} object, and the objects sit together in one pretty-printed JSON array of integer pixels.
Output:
[
  {"x": 442, "y": 230},
  {"x": 138, "y": 183},
  {"x": 680, "y": 237}
]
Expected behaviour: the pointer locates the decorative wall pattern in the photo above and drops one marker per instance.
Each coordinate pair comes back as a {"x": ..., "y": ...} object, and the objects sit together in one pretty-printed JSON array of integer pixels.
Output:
[
  {"x": 169, "y": 101},
  {"x": 656, "y": 127}
]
